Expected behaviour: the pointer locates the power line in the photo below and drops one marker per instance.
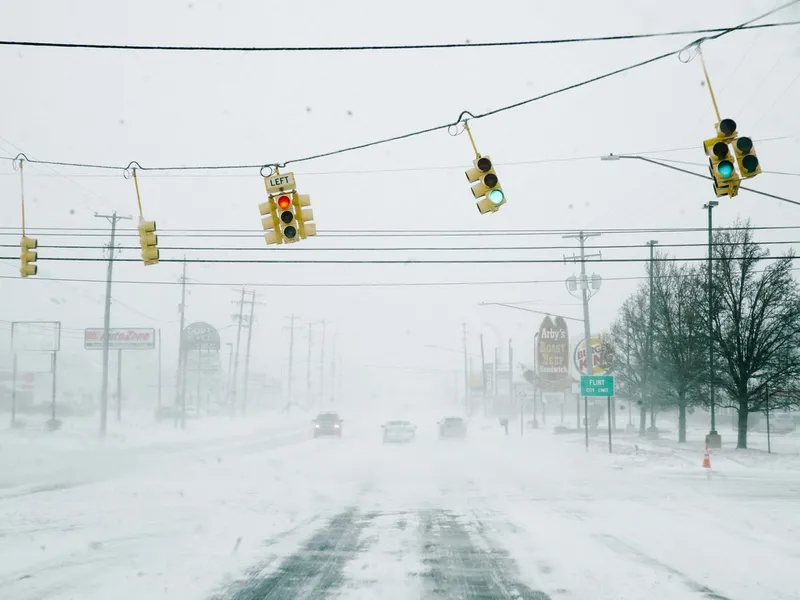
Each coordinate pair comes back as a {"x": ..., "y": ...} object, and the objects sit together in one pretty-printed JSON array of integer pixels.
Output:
[
  {"x": 359, "y": 284},
  {"x": 446, "y": 126},
  {"x": 328, "y": 261},
  {"x": 434, "y": 46},
  {"x": 402, "y": 249}
]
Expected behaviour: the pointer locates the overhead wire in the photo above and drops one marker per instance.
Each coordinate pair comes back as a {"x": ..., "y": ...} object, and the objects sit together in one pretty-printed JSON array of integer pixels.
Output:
[{"x": 720, "y": 33}]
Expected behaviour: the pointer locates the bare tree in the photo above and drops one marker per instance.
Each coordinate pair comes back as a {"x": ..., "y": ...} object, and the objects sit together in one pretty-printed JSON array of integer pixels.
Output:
[
  {"x": 629, "y": 339},
  {"x": 680, "y": 337},
  {"x": 756, "y": 322}
]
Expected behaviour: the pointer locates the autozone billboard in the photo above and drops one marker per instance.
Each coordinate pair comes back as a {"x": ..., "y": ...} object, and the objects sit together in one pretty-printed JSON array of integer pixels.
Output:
[{"x": 120, "y": 339}]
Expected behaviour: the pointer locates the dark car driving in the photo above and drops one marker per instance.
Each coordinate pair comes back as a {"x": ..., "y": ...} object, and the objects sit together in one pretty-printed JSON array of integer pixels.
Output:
[
  {"x": 452, "y": 427},
  {"x": 328, "y": 424}
]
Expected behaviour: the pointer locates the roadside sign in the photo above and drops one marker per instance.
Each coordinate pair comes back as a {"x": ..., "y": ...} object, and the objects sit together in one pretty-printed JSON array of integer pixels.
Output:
[
  {"x": 280, "y": 183},
  {"x": 134, "y": 338},
  {"x": 597, "y": 385}
]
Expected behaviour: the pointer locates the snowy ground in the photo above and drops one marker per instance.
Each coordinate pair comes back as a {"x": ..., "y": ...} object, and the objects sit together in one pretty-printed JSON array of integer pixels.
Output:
[{"x": 271, "y": 513}]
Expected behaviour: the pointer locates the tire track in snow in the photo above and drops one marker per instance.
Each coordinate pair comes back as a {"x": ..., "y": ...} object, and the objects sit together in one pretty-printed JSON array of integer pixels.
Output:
[{"x": 459, "y": 569}]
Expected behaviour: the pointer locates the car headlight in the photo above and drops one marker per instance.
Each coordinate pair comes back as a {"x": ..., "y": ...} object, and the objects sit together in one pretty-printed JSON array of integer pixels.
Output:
[
  {"x": 316, "y": 426},
  {"x": 336, "y": 426}
]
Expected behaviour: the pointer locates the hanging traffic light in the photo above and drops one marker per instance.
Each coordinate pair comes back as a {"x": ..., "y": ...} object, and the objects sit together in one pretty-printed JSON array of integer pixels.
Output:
[
  {"x": 305, "y": 215},
  {"x": 270, "y": 221},
  {"x": 286, "y": 218},
  {"x": 27, "y": 256},
  {"x": 746, "y": 157},
  {"x": 720, "y": 163},
  {"x": 487, "y": 189},
  {"x": 148, "y": 241}
]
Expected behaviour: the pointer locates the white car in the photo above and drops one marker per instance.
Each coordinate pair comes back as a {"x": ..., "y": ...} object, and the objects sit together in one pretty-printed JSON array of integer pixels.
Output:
[{"x": 399, "y": 431}]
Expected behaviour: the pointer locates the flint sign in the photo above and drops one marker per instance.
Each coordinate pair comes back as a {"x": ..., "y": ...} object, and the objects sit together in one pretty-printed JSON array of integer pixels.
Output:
[
  {"x": 552, "y": 355},
  {"x": 120, "y": 339}
]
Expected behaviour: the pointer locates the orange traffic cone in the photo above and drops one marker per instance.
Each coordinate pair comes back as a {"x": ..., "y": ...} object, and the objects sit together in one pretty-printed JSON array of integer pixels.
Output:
[{"x": 706, "y": 459}]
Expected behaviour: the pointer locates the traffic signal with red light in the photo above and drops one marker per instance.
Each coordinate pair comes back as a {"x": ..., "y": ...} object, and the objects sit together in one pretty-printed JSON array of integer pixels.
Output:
[
  {"x": 286, "y": 218},
  {"x": 148, "y": 241},
  {"x": 28, "y": 257},
  {"x": 305, "y": 214},
  {"x": 487, "y": 189}
]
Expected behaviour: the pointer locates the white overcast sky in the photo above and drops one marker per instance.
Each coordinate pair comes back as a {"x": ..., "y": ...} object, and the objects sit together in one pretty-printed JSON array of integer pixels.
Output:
[{"x": 205, "y": 108}]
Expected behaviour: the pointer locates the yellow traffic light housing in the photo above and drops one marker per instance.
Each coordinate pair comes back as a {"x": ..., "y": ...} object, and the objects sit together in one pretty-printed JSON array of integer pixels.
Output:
[
  {"x": 746, "y": 157},
  {"x": 148, "y": 241},
  {"x": 304, "y": 214},
  {"x": 27, "y": 256},
  {"x": 269, "y": 221},
  {"x": 487, "y": 189}
]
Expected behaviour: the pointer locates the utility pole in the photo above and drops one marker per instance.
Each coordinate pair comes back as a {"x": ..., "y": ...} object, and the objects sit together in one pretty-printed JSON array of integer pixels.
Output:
[
  {"x": 308, "y": 363},
  {"x": 333, "y": 369},
  {"x": 113, "y": 219},
  {"x": 483, "y": 378},
  {"x": 119, "y": 385},
  {"x": 53, "y": 403},
  {"x": 322, "y": 365},
  {"x": 236, "y": 360},
  {"x": 250, "y": 326},
  {"x": 587, "y": 335},
  {"x": 180, "y": 398},
  {"x": 159, "y": 370},
  {"x": 291, "y": 360},
  {"x": 467, "y": 399},
  {"x": 230, "y": 366},
  {"x": 650, "y": 321},
  {"x": 713, "y": 439}
]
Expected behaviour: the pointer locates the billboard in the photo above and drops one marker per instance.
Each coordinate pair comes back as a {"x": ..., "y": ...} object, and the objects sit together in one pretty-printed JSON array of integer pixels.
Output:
[
  {"x": 601, "y": 356},
  {"x": 120, "y": 339},
  {"x": 552, "y": 354},
  {"x": 200, "y": 335},
  {"x": 36, "y": 336}
]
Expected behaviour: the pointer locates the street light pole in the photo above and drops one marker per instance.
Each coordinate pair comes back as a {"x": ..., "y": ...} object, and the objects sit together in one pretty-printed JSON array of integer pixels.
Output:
[{"x": 713, "y": 439}]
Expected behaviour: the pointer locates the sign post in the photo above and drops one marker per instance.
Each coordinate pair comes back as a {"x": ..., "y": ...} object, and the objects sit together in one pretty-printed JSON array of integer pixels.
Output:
[{"x": 597, "y": 386}]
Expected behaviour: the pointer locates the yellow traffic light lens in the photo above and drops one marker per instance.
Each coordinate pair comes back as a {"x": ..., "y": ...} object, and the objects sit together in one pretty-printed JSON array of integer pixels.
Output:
[
  {"x": 720, "y": 149},
  {"x": 725, "y": 168},
  {"x": 484, "y": 164},
  {"x": 287, "y": 216},
  {"x": 750, "y": 163},
  {"x": 289, "y": 232},
  {"x": 496, "y": 197},
  {"x": 490, "y": 180}
]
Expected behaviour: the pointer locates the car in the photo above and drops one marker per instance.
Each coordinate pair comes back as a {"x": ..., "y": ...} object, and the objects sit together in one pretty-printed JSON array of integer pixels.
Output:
[
  {"x": 327, "y": 424},
  {"x": 452, "y": 427},
  {"x": 399, "y": 431}
]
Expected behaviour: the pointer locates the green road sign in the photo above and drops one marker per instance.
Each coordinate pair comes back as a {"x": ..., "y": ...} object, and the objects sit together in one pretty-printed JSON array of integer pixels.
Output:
[{"x": 597, "y": 385}]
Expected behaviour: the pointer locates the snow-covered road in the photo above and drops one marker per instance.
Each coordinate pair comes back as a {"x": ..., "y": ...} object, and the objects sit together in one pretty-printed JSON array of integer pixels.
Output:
[{"x": 488, "y": 517}]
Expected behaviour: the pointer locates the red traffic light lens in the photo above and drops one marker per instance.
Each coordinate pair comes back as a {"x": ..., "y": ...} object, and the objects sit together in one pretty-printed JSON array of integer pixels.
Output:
[{"x": 284, "y": 202}]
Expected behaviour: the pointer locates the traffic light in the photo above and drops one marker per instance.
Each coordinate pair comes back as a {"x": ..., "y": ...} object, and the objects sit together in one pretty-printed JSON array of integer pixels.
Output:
[
  {"x": 721, "y": 167},
  {"x": 286, "y": 218},
  {"x": 270, "y": 221},
  {"x": 148, "y": 241},
  {"x": 487, "y": 189},
  {"x": 746, "y": 157},
  {"x": 27, "y": 256},
  {"x": 305, "y": 215}
]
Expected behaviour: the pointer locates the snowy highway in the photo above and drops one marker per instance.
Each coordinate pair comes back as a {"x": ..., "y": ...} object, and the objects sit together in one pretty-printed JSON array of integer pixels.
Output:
[{"x": 276, "y": 515}]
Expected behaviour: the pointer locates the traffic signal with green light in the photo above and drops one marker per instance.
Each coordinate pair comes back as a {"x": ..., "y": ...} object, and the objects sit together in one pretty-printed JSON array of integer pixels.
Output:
[
  {"x": 721, "y": 167},
  {"x": 487, "y": 189},
  {"x": 746, "y": 157},
  {"x": 28, "y": 257},
  {"x": 148, "y": 241}
]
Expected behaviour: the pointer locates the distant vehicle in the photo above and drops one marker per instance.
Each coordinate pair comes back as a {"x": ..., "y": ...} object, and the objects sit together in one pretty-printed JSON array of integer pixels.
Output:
[
  {"x": 399, "y": 431},
  {"x": 780, "y": 423},
  {"x": 327, "y": 424},
  {"x": 452, "y": 427}
]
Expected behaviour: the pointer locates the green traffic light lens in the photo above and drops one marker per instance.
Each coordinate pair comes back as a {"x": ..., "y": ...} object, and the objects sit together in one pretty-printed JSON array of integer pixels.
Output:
[
  {"x": 725, "y": 168},
  {"x": 496, "y": 197},
  {"x": 289, "y": 232}
]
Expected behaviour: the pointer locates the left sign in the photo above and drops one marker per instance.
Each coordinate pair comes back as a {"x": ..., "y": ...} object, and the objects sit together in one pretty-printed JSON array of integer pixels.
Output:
[{"x": 120, "y": 339}]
